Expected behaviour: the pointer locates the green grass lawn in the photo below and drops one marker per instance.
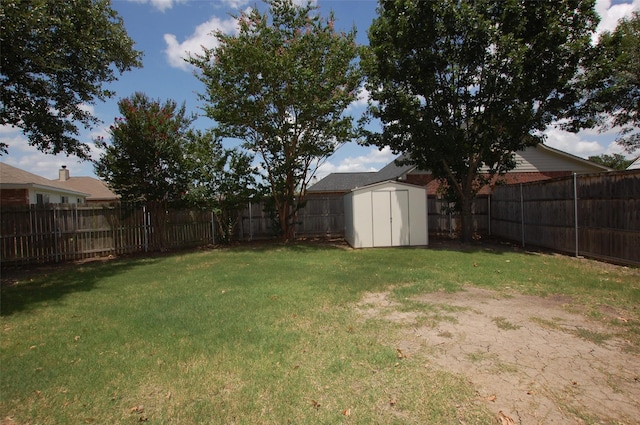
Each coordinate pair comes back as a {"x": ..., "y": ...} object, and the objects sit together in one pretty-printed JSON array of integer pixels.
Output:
[{"x": 260, "y": 335}]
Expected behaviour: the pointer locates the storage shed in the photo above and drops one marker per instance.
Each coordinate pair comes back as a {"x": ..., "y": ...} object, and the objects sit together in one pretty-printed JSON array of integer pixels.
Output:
[{"x": 386, "y": 214}]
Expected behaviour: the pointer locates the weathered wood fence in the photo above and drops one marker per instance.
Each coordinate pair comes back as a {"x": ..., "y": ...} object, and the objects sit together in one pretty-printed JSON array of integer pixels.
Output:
[
  {"x": 595, "y": 215},
  {"x": 322, "y": 216},
  {"x": 52, "y": 233}
]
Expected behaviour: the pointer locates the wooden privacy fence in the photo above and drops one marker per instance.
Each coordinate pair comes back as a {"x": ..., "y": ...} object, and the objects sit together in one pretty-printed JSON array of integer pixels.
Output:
[
  {"x": 322, "y": 216},
  {"x": 52, "y": 233},
  {"x": 445, "y": 223},
  {"x": 594, "y": 215}
]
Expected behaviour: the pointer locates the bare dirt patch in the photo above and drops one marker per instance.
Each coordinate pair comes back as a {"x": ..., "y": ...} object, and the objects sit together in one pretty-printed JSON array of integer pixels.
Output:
[{"x": 530, "y": 359}]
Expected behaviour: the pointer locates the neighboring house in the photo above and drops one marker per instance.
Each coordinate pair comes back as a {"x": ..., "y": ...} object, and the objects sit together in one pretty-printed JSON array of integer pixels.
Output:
[
  {"x": 635, "y": 165},
  {"x": 20, "y": 187},
  {"x": 97, "y": 189},
  {"x": 533, "y": 164}
]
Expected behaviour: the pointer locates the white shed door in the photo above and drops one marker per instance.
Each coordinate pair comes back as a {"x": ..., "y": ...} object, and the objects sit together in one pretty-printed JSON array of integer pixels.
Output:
[{"x": 390, "y": 218}]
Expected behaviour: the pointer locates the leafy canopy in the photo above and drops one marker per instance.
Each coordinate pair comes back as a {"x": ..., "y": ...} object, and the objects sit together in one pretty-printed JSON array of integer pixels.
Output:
[
  {"x": 221, "y": 179},
  {"x": 55, "y": 57},
  {"x": 282, "y": 85},
  {"x": 460, "y": 85},
  {"x": 611, "y": 85},
  {"x": 145, "y": 160},
  {"x": 615, "y": 161}
]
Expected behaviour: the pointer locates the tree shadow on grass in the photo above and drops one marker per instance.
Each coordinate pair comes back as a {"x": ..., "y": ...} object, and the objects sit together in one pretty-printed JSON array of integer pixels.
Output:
[{"x": 24, "y": 289}]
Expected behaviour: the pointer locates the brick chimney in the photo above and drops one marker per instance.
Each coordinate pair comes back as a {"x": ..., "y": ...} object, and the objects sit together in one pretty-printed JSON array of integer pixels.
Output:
[{"x": 63, "y": 173}]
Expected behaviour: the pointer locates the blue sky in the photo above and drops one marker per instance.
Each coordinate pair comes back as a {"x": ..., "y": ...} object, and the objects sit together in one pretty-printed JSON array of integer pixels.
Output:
[{"x": 165, "y": 29}]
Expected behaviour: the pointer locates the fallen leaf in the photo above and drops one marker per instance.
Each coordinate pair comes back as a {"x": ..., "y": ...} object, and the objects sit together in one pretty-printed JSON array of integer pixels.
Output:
[
  {"x": 475, "y": 264},
  {"x": 33, "y": 347},
  {"x": 315, "y": 404},
  {"x": 137, "y": 409},
  {"x": 504, "y": 419},
  {"x": 393, "y": 401},
  {"x": 492, "y": 398},
  {"x": 623, "y": 319},
  {"x": 346, "y": 412},
  {"x": 76, "y": 338},
  {"x": 400, "y": 353},
  {"x": 143, "y": 419}
]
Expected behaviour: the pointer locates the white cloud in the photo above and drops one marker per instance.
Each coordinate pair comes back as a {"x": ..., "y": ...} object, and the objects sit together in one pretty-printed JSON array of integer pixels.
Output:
[
  {"x": 610, "y": 15},
  {"x": 304, "y": 2},
  {"x": 362, "y": 99},
  {"x": 235, "y": 4},
  {"x": 30, "y": 159},
  {"x": 161, "y": 5},
  {"x": 202, "y": 37},
  {"x": 372, "y": 160},
  {"x": 573, "y": 143}
]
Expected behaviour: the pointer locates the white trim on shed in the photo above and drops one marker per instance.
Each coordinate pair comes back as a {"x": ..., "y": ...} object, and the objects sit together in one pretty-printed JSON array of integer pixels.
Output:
[{"x": 386, "y": 214}]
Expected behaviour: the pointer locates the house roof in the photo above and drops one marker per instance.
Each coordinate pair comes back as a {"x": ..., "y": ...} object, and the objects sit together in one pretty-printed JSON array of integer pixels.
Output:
[
  {"x": 12, "y": 178},
  {"x": 342, "y": 182},
  {"x": 635, "y": 165},
  {"x": 385, "y": 183},
  {"x": 97, "y": 189},
  {"x": 530, "y": 160},
  {"x": 576, "y": 159},
  {"x": 90, "y": 188},
  {"x": 392, "y": 171}
]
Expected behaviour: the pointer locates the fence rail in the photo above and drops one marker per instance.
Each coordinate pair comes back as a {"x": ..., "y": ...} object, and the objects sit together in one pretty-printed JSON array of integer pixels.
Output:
[{"x": 595, "y": 215}]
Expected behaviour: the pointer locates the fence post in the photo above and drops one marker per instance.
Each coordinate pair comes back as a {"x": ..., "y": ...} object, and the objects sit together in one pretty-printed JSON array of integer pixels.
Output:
[
  {"x": 522, "y": 213},
  {"x": 575, "y": 209},
  {"x": 250, "y": 222},
  {"x": 213, "y": 228},
  {"x": 489, "y": 214},
  {"x": 426, "y": 200},
  {"x": 145, "y": 228},
  {"x": 56, "y": 238}
]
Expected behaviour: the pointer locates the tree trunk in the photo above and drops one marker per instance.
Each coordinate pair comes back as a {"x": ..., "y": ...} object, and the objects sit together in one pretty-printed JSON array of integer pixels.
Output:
[
  {"x": 287, "y": 227},
  {"x": 466, "y": 218}
]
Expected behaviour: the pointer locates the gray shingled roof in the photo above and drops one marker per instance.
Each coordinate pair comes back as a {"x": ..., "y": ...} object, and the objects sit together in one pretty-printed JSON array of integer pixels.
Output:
[
  {"x": 344, "y": 182},
  {"x": 391, "y": 171}
]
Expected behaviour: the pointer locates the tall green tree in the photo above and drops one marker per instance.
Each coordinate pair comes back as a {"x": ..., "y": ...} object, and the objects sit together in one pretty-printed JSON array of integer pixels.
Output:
[
  {"x": 223, "y": 180},
  {"x": 144, "y": 161},
  {"x": 615, "y": 161},
  {"x": 55, "y": 57},
  {"x": 460, "y": 85},
  {"x": 611, "y": 85},
  {"x": 281, "y": 85}
]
